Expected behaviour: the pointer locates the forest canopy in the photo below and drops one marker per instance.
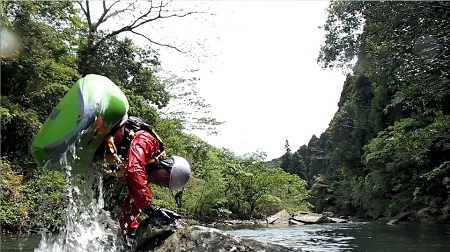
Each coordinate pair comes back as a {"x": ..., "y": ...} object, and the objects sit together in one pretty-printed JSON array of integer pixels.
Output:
[{"x": 387, "y": 148}]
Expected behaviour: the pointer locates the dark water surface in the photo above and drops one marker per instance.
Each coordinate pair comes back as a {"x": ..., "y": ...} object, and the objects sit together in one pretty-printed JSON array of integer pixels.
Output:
[
  {"x": 26, "y": 242},
  {"x": 357, "y": 236}
]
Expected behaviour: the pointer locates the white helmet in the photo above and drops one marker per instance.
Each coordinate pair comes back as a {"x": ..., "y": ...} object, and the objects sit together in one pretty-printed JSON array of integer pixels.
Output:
[{"x": 180, "y": 171}]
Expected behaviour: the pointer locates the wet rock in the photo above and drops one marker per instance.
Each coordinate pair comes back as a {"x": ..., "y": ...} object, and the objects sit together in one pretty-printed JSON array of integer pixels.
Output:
[
  {"x": 398, "y": 218},
  {"x": 432, "y": 215},
  {"x": 278, "y": 218},
  {"x": 310, "y": 218},
  {"x": 445, "y": 217},
  {"x": 201, "y": 239},
  {"x": 302, "y": 217},
  {"x": 328, "y": 214},
  {"x": 153, "y": 236},
  {"x": 424, "y": 214},
  {"x": 153, "y": 232}
]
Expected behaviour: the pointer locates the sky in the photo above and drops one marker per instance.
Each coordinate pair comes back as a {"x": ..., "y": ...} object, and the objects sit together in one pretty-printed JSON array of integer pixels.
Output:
[
  {"x": 261, "y": 77},
  {"x": 265, "y": 84}
]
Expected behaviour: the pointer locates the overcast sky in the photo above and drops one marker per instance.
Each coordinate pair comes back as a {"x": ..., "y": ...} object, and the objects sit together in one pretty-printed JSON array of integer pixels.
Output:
[
  {"x": 263, "y": 80},
  {"x": 265, "y": 83}
]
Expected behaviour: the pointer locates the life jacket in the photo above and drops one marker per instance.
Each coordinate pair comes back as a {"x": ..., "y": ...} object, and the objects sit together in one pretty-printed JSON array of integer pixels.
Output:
[
  {"x": 115, "y": 159},
  {"x": 132, "y": 125}
]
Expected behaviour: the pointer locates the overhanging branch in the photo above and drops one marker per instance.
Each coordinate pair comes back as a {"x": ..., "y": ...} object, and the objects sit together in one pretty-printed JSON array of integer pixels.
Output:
[{"x": 160, "y": 44}]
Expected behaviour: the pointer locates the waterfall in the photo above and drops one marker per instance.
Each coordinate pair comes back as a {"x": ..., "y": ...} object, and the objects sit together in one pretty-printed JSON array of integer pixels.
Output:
[{"x": 87, "y": 227}]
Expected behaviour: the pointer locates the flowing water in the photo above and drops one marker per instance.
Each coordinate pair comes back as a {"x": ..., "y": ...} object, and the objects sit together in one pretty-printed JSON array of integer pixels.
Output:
[
  {"x": 86, "y": 226},
  {"x": 356, "y": 236}
]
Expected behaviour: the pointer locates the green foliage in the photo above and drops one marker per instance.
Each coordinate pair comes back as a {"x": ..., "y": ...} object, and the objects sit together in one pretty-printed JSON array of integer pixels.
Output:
[
  {"x": 58, "y": 48},
  {"x": 139, "y": 107},
  {"x": 342, "y": 38},
  {"x": 18, "y": 127},
  {"x": 29, "y": 202},
  {"x": 46, "y": 196},
  {"x": 386, "y": 149},
  {"x": 130, "y": 67},
  {"x": 186, "y": 106},
  {"x": 251, "y": 182},
  {"x": 13, "y": 208}
]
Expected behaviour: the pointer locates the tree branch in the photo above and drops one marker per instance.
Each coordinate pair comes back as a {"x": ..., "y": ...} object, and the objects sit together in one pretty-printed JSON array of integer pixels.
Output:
[
  {"x": 103, "y": 17},
  {"x": 85, "y": 11},
  {"x": 139, "y": 21},
  {"x": 160, "y": 44}
]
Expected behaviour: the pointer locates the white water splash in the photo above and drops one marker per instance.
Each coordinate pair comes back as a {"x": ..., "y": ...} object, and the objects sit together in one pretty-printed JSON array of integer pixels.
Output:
[{"x": 87, "y": 227}]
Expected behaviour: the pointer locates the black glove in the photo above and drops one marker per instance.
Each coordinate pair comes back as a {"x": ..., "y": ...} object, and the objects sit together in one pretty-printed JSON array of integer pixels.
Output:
[{"x": 162, "y": 213}]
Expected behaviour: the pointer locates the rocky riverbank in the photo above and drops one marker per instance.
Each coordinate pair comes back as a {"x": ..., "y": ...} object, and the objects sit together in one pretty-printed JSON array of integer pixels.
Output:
[
  {"x": 152, "y": 236},
  {"x": 283, "y": 218}
]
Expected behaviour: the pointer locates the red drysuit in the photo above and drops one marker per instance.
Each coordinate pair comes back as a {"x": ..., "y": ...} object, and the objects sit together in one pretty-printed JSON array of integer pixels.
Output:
[{"x": 142, "y": 148}]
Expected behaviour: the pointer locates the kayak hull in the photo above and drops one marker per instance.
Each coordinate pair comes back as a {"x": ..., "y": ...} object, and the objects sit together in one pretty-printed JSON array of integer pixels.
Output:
[{"x": 79, "y": 123}]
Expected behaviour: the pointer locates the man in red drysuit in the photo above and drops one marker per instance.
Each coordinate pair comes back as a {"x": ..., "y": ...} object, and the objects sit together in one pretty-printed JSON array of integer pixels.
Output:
[{"x": 145, "y": 163}]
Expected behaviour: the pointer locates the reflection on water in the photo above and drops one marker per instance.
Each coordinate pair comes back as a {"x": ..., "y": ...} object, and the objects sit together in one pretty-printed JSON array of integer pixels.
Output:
[
  {"x": 357, "y": 236},
  {"x": 24, "y": 243},
  {"x": 308, "y": 238}
]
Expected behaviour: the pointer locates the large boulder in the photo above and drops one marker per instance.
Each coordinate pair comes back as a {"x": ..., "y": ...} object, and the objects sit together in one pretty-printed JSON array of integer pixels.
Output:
[
  {"x": 279, "y": 218},
  {"x": 302, "y": 218},
  {"x": 180, "y": 237},
  {"x": 201, "y": 239},
  {"x": 309, "y": 218},
  {"x": 399, "y": 218}
]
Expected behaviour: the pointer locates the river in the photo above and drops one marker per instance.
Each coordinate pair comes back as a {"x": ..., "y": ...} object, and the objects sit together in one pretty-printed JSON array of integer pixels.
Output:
[{"x": 356, "y": 236}]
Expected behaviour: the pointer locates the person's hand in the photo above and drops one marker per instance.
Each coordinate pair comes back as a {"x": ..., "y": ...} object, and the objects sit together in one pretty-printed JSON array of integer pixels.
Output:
[
  {"x": 162, "y": 213},
  {"x": 170, "y": 213}
]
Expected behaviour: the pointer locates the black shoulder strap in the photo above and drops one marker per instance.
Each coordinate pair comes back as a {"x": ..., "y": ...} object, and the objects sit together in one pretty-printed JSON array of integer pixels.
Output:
[{"x": 132, "y": 125}]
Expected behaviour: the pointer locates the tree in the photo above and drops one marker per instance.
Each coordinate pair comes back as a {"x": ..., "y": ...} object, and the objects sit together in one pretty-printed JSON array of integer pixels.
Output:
[
  {"x": 33, "y": 82},
  {"x": 404, "y": 43},
  {"x": 286, "y": 158},
  {"x": 391, "y": 104},
  {"x": 187, "y": 106},
  {"x": 139, "y": 69},
  {"x": 136, "y": 16}
]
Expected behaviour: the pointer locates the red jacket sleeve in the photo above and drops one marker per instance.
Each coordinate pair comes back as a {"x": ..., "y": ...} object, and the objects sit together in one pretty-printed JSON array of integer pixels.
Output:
[{"x": 142, "y": 148}]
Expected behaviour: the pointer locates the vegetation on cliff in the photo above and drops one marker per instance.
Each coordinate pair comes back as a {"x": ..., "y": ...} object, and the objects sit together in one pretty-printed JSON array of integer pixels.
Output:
[{"x": 387, "y": 148}]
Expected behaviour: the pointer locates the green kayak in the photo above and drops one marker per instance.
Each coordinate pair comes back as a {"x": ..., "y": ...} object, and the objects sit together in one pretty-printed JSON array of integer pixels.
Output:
[{"x": 79, "y": 124}]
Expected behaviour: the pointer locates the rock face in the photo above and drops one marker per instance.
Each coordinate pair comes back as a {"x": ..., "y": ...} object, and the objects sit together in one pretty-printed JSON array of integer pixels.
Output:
[
  {"x": 302, "y": 218},
  {"x": 310, "y": 218},
  {"x": 201, "y": 239},
  {"x": 280, "y": 217},
  {"x": 152, "y": 236},
  {"x": 398, "y": 218},
  {"x": 179, "y": 237}
]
